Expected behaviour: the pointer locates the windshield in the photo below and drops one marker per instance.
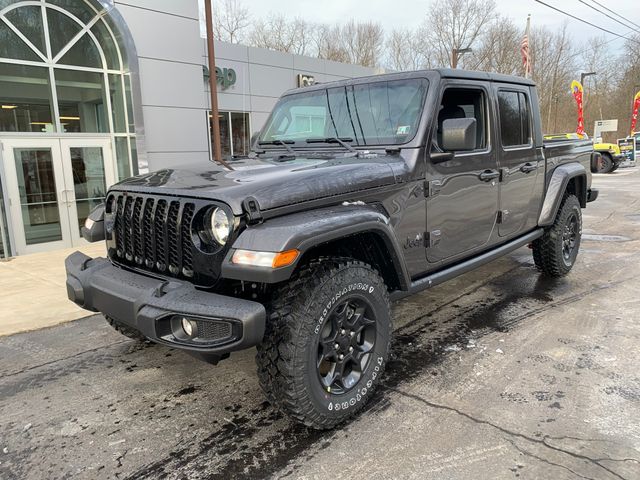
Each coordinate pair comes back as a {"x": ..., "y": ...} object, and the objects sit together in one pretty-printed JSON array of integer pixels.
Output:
[{"x": 377, "y": 113}]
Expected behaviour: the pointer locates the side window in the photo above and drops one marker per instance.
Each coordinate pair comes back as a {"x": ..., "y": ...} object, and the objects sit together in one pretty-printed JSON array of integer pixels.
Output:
[
  {"x": 464, "y": 103},
  {"x": 515, "y": 118}
]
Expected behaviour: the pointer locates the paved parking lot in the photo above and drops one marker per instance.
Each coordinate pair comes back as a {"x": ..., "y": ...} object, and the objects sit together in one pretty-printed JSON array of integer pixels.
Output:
[{"x": 497, "y": 374}]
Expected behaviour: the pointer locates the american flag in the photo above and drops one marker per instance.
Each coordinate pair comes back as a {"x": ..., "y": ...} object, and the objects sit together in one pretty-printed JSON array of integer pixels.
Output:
[{"x": 524, "y": 51}]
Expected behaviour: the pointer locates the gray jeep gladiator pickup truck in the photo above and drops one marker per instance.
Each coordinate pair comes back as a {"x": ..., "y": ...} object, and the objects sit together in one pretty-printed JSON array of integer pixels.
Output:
[{"x": 357, "y": 193}]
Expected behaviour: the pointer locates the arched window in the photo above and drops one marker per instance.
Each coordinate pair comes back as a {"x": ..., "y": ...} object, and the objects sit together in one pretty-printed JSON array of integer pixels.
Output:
[{"x": 63, "y": 71}]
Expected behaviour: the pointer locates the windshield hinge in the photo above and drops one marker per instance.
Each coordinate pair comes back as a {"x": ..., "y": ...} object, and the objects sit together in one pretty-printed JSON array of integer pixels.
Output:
[{"x": 252, "y": 210}]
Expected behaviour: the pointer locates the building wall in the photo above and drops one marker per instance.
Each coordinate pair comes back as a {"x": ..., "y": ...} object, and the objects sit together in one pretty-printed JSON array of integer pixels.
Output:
[
  {"x": 264, "y": 75},
  {"x": 167, "y": 39},
  {"x": 175, "y": 95}
]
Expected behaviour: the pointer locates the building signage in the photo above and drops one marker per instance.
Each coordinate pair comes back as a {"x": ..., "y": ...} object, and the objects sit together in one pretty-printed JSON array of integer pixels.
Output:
[
  {"x": 305, "y": 80},
  {"x": 226, "y": 77},
  {"x": 601, "y": 126},
  {"x": 628, "y": 149}
]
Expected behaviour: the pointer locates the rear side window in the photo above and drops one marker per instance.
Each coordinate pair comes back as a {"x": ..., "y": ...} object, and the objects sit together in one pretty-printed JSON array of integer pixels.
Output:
[{"x": 515, "y": 118}]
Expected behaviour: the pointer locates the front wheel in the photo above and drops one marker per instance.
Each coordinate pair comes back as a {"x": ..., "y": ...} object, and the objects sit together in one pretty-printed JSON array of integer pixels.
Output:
[
  {"x": 606, "y": 164},
  {"x": 326, "y": 343},
  {"x": 555, "y": 252}
]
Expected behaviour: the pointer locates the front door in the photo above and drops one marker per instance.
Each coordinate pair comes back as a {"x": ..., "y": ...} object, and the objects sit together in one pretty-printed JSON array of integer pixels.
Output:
[
  {"x": 462, "y": 201},
  {"x": 53, "y": 184}
]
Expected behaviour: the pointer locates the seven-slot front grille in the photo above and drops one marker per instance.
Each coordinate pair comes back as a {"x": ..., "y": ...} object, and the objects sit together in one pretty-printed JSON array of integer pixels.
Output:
[{"x": 153, "y": 233}]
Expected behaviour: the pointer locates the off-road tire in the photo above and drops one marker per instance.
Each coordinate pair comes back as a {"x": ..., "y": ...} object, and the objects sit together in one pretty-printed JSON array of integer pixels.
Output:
[
  {"x": 298, "y": 316},
  {"x": 607, "y": 164},
  {"x": 548, "y": 250},
  {"x": 127, "y": 331}
]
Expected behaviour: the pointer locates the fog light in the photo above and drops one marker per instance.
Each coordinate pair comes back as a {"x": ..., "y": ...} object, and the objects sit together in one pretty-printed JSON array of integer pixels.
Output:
[{"x": 189, "y": 327}]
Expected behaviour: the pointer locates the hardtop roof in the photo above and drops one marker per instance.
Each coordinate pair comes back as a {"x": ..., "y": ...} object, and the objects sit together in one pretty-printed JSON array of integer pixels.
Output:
[{"x": 448, "y": 73}]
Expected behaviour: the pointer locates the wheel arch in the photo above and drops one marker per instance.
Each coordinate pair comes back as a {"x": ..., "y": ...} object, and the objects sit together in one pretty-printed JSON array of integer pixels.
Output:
[
  {"x": 362, "y": 232},
  {"x": 568, "y": 178}
]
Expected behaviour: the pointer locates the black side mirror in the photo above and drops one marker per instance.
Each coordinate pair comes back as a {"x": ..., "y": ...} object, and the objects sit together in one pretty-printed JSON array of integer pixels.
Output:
[{"x": 459, "y": 134}]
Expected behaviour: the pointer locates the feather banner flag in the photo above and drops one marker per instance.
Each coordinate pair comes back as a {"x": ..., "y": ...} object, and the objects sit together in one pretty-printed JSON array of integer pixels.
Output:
[
  {"x": 577, "y": 91},
  {"x": 634, "y": 114}
]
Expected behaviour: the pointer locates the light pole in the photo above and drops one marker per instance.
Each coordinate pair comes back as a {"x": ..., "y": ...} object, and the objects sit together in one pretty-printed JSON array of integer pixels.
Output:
[
  {"x": 213, "y": 79},
  {"x": 584, "y": 75},
  {"x": 456, "y": 53}
]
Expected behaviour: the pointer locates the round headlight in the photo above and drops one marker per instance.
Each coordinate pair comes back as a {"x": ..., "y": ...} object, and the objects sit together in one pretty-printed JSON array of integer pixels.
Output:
[{"x": 220, "y": 226}]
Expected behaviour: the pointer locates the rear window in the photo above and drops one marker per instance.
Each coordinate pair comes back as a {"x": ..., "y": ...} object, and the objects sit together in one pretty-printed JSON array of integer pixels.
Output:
[{"x": 515, "y": 118}]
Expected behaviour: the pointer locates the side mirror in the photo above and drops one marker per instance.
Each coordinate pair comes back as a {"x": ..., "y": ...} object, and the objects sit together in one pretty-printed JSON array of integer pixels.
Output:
[
  {"x": 93, "y": 229},
  {"x": 459, "y": 134}
]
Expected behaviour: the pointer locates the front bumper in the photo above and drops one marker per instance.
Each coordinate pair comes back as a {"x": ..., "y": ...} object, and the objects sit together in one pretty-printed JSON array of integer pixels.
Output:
[
  {"x": 592, "y": 195},
  {"x": 151, "y": 306}
]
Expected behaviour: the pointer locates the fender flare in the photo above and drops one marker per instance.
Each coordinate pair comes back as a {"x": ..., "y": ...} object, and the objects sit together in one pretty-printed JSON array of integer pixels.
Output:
[
  {"x": 557, "y": 186},
  {"x": 306, "y": 230}
]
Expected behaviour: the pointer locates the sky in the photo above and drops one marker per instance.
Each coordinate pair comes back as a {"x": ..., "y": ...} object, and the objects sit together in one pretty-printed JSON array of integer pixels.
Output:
[{"x": 410, "y": 13}]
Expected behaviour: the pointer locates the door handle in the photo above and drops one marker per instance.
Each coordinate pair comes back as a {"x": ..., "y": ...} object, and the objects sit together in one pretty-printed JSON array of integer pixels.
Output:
[
  {"x": 66, "y": 200},
  {"x": 488, "y": 175},
  {"x": 528, "y": 168}
]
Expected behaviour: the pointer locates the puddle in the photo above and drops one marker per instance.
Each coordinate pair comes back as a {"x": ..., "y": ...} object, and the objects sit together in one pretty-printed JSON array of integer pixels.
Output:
[
  {"x": 605, "y": 238},
  {"x": 634, "y": 217}
]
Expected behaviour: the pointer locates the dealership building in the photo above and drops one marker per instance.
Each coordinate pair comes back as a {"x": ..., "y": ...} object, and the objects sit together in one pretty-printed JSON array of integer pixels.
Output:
[{"x": 93, "y": 91}]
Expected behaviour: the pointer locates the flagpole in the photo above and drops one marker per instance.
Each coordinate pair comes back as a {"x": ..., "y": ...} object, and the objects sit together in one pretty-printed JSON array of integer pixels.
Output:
[{"x": 527, "y": 68}]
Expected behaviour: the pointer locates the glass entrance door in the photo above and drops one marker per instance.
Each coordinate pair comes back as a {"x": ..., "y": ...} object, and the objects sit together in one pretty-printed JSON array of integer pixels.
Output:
[
  {"x": 53, "y": 185},
  {"x": 89, "y": 171}
]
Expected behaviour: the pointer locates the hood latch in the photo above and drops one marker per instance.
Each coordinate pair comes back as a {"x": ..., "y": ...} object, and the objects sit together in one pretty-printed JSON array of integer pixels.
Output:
[{"x": 252, "y": 211}]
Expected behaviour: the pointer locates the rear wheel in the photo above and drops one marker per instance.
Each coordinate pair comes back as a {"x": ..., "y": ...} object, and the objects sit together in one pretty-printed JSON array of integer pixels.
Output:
[
  {"x": 327, "y": 342},
  {"x": 555, "y": 252}
]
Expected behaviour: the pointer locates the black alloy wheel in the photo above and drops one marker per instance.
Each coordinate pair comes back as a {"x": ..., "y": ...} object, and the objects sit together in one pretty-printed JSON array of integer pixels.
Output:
[
  {"x": 569, "y": 238},
  {"x": 346, "y": 341}
]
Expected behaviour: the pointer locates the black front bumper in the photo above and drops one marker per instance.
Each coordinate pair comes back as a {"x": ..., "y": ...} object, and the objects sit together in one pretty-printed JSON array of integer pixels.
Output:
[
  {"x": 152, "y": 305},
  {"x": 592, "y": 195}
]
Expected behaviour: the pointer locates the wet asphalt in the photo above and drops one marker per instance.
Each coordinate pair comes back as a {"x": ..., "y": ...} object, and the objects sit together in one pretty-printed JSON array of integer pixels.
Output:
[{"x": 500, "y": 373}]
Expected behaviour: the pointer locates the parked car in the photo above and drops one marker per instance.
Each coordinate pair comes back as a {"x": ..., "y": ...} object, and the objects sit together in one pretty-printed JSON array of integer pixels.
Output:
[{"x": 358, "y": 193}]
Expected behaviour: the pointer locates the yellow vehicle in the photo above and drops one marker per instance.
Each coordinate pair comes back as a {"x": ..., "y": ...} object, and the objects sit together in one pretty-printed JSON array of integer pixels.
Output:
[{"x": 609, "y": 159}]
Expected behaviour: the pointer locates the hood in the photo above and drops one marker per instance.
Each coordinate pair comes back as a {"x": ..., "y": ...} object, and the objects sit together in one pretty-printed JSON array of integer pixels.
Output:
[{"x": 273, "y": 184}]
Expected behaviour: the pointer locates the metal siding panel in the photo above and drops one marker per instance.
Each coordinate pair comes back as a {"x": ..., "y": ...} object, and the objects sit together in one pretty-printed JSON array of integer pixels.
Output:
[
  {"x": 155, "y": 35},
  {"x": 184, "y": 8},
  {"x": 171, "y": 84},
  {"x": 270, "y": 81},
  {"x": 175, "y": 130},
  {"x": 270, "y": 57}
]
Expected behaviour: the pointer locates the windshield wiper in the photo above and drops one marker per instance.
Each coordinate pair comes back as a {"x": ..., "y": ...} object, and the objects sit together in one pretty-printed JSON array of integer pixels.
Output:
[
  {"x": 342, "y": 141},
  {"x": 284, "y": 143}
]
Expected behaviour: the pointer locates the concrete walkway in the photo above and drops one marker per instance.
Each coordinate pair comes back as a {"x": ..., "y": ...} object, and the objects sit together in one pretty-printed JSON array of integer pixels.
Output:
[{"x": 33, "y": 293}]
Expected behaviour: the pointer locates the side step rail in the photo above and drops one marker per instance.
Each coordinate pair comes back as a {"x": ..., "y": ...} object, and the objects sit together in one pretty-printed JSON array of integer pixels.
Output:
[{"x": 467, "y": 265}]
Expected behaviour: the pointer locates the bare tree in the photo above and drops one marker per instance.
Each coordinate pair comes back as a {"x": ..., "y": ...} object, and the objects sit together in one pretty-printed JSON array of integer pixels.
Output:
[
  {"x": 554, "y": 66},
  {"x": 453, "y": 25},
  {"x": 278, "y": 33},
  {"x": 406, "y": 50},
  {"x": 499, "y": 49},
  {"x": 231, "y": 19},
  {"x": 363, "y": 42},
  {"x": 328, "y": 45}
]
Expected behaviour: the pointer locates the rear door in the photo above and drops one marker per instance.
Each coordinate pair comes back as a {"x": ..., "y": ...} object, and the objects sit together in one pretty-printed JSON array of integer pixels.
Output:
[
  {"x": 462, "y": 196},
  {"x": 520, "y": 161}
]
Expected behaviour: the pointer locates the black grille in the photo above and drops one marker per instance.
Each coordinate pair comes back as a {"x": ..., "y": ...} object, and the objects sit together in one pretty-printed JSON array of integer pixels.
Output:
[
  {"x": 213, "y": 330},
  {"x": 153, "y": 234}
]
